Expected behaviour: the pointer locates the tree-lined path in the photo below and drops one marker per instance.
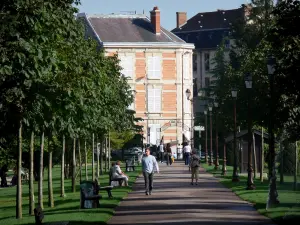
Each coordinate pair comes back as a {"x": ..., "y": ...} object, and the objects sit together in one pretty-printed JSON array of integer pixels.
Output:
[{"x": 175, "y": 201}]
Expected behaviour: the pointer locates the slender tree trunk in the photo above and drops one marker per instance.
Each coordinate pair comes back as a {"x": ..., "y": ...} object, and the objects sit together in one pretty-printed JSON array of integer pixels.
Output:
[
  {"x": 31, "y": 177},
  {"x": 262, "y": 163},
  {"x": 105, "y": 162},
  {"x": 50, "y": 186},
  {"x": 109, "y": 150},
  {"x": 296, "y": 167},
  {"x": 101, "y": 156},
  {"x": 93, "y": 157},
  {"x": 254, "y": 156},
  {"x": 62, "y": 175},
  {"x": 74, "y": 167},
  {"x": 98, "y": 149},
  {"x": 19, "y": 213},
  {"x": 85, "y": 158},
  {"x": 281, "y": 161},
  {"x": 40, "y": 184},
  {"x": 80, "y": 163}
]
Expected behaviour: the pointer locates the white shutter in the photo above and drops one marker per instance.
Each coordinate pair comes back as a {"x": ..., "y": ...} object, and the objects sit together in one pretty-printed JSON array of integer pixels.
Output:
[
  {"x": 154, "y": 67},
  {"x": 186, "y": 67},
  {"x": 150, "y": 100},
  {"x": 154, "y": 133},
  {"x": 157, "y": 101}
]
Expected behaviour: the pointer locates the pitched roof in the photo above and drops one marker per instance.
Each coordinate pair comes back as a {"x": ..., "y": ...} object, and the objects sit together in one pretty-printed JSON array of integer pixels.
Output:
[
  {"x": 128, "y": 28},
  {"x": 211, "y": 20}
]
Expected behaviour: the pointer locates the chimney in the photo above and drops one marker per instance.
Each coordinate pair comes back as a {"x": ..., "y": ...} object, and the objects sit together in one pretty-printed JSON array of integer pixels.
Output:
[
  {"x": 180, "y": 18},
  {"x": 155, "y": 19}
]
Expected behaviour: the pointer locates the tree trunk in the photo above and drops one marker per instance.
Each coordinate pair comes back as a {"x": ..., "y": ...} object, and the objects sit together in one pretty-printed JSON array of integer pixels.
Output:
[
  {"x": 109, "y": 151},
  {"x": 254, "y": 156},
  {"x": 296, "y": 167},
  {"x": 80, "y": 163},
  {"x": 281, "y": 161},
  {"x": 93, "y": 157},
  {"x": 262, "y": 164},
  {"x": 101, "y": 156},
  {"x": 74, "y": 167},
  {"x": 50, "y": 186},
  {"x": 98, "y": 149},
  {"x": 19, "y": 213},
  {"x": 62, "y": 175},
  {"x": 40, "y": 184},
  {"x": 31, "y": 177},
  {"x": 105, "y": 150},
  {"x": 85, "y": 158}
]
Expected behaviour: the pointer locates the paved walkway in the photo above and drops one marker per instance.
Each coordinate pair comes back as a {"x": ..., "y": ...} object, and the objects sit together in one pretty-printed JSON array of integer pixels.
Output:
[{"x": 175, "y": 201}]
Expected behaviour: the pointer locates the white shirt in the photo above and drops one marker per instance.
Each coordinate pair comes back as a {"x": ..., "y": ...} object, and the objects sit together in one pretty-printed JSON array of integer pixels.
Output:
[
  {"x": 187, "y": 149},
  {"x": 161, "y": 148}
]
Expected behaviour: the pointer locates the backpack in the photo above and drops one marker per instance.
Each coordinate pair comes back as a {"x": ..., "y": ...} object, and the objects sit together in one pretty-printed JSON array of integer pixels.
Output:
[{"x": 195, "y": 161}]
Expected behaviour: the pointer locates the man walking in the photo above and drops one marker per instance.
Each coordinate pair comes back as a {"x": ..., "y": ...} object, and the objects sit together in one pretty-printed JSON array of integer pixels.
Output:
[
  {"x": 148, "y": 164},
  {"x": 187, "y": 152},
  {"x": 161, "y": 152}
]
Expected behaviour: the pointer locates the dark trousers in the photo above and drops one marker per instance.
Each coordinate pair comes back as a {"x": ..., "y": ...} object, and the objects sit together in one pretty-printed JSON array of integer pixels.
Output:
[
  {"x": 161, "y": 156},
  {"x": 148, "y": 181},
  {"x": 187, "y": 158},
  {"x": 169, "y": 159}
]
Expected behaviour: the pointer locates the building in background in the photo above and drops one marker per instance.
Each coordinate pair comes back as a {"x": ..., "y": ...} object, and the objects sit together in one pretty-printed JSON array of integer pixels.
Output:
[
  {"x": 206, "y": 31},
  {"x": 158, "y": 66}
]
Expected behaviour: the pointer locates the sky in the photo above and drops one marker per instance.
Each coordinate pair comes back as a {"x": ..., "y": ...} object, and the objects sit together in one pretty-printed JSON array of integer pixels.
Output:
[{"x": 168, "y": 8}]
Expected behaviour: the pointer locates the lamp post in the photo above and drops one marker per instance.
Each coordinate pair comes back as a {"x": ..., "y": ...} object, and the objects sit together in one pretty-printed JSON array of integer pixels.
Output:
[
  {"x": 216, "y": 104},
  {"x": 206, "y": 151},
  {"x": 182, "y": 89},
  {"x": 188, "y": 94},
  {"x": 224, "y": 169},
  {"x": 211, "y": 151},
  {"x": 235, "y": 176},
  {"x": 272, "y": 199},
  {"x": 250, "y": 183}
]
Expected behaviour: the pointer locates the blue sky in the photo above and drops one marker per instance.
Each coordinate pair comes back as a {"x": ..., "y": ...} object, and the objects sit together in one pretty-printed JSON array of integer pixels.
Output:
[{"x": 168, "y": 8}]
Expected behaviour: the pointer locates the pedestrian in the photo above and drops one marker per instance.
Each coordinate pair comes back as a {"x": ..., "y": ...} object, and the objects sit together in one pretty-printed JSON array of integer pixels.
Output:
[
  {"x": 161, "y": 152},
  {"x": 169, "y": 154},
  {"x": 3, "y": 174},
  {"x": 194, "y": 165},
  {"x": 149, "y": 165},
  {"x": 187, "y": 152}
]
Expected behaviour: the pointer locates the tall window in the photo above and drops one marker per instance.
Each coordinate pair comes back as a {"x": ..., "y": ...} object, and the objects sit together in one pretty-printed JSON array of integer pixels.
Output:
[
  {"x": 186, "y": 67},
  {"x": 206, "y": 61},
  {"x": 127, "y": 66},
  {"x": 154, "y": 100},
  {"x": 154, "y": 67},
  {"x": 207, "y": 82},
  {"x": 195, "y": 62}
]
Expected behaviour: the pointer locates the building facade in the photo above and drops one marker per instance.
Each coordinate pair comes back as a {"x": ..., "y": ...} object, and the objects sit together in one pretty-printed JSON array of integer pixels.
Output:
[{"x": 158, "y": 66}]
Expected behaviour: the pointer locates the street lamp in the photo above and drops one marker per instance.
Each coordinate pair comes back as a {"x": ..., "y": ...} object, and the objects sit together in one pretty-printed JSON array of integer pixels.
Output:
[
  {"x": 224, "y": 168},
  {"x": 272, "y": 170},
  {"x": 206, "y": 152},
  {"x": 250, "y": 183},
  {"x": 211, "y": 151},
  {"x": 188, "y": 94},
  {"x": 235, "y": 176},
  {"x": 216, "y": 104}
]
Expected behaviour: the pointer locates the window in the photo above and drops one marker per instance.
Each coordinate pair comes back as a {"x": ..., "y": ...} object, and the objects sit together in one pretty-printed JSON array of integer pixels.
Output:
[
  {"x": 186, "y": 67},
  {"x": 127, "y": 66},
  {"x": 154, "y": 100},
  {"x": 154, "y": 134},
  {"x": 154, "y": 67},
  {"x": 195, "y": 62},
  {"x": 206, "y": 62},
  {"x": 207, "y": 82}
]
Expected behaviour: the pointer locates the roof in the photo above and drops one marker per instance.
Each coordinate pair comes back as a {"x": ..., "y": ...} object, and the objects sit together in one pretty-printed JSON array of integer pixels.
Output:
[
  {"x": 128, "y": 28},
  {"x": 244, "y": 133},
  {"x": 207, "y": 30},
  {"x": 211, "y": 20}
]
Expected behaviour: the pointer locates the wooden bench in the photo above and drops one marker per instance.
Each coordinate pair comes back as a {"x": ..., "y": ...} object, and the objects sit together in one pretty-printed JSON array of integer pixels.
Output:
[
  {"x": 86, "y": 187},
  {"x": 119, "y": 180}
]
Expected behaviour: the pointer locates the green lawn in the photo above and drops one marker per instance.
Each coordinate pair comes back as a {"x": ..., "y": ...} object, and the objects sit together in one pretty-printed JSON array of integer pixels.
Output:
[
  {"x": 287, "y": 211},
  {"x": 66, "y": 209}
]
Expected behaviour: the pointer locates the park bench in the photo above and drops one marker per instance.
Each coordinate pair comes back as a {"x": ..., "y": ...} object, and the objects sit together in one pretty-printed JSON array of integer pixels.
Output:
[{"x": 88, "y": 192}]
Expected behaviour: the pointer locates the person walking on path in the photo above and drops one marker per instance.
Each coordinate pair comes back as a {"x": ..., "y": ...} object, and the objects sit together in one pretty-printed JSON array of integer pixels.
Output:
[
  {"x": 187, "y": 153},
  {"x": 149, "y": 165},
  {"x": 161, "y": 151},
  {"x": 194, "y": 165},
  {"x": 169, "y": 154}
]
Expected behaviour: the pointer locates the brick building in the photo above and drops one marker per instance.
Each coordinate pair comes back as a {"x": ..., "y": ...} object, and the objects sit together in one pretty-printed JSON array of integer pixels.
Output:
[{"x": 158, "y": 66}]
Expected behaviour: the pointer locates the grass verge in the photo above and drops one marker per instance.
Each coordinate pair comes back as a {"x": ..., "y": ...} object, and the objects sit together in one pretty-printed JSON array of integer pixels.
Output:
[
  {"x": 67, "y": 208},
  {"x": 287, "y": 211}
]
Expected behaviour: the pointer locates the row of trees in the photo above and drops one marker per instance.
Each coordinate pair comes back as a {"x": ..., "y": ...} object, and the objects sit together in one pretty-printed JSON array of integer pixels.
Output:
[
  {"x": 56, "y": 83},
  {"x": 268, "y": 30}
]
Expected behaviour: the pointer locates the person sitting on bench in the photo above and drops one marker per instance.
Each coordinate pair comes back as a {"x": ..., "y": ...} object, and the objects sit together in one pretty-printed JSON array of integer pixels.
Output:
[{"x": 117, "y": 173}]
